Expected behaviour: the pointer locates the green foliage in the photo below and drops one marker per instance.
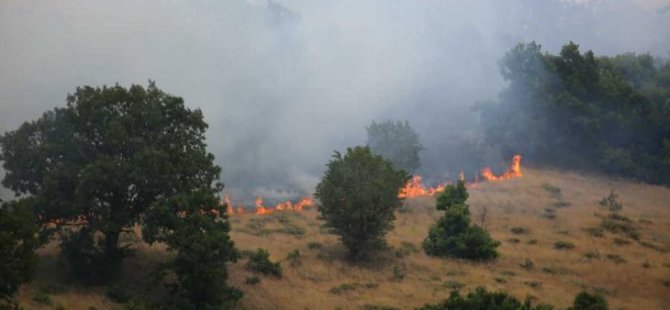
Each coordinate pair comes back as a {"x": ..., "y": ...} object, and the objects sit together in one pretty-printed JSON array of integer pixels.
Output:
[
  {"x": 519, "y": 230},
  {"x": 611, "y": 202},
  {"x": 453, "y": 235},
  {"x": 359, "y": 195},
  {"x": 253, "y": 280},
  {"x": 195, "y": 226},
  {"x": 17, "y": 248},
  {"x": 396, "y": 141},
  {"x": 481, "y": 299},
  {"x": 259, "y": 261},
  {"x": 586, "y": 301},
  {"x": 581, "y": 111},
  {"x": 101, "y": 161},
  {"x": 563, "y": 245},
  {"x": 345, "y": 287}
]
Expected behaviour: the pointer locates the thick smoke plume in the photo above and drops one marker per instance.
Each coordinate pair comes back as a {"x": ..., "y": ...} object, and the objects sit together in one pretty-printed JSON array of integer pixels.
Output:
[{"x": 284, "y": 83}]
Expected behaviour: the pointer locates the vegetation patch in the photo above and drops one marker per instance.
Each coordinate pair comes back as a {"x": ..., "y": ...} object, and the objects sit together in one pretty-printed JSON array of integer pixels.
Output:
[
  {"x": 453, "y": 235},
  {"x": 519, "y": 230},
  {"x": 563, "y": 245},
  {"x": 452, "y": 284},
  {"x": 259, "y": 261},
  {"x": 616, "y": 258},
  {"x": 345, "y": 287}
]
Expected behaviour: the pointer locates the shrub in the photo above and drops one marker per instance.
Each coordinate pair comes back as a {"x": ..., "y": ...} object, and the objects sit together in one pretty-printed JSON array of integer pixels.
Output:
[
  {"x": 611, "y": 202},
  {"x": 359, "y": 195},
  {"x": 260, "y": 262},
  {"x": 294, "y": 257},
  {"x": 586, "y": 301},
  {"x": 253, "y": 280},
  {"x": 563, "y": 245},
  {"x": 519, "y": 230},
  {"x": 481, "y": 299},
  {"x": 452, "y": 235}
]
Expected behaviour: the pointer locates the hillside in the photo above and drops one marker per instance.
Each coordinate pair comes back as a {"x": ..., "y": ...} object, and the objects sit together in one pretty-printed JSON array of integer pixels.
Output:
[{"x": 632, "y": 274}]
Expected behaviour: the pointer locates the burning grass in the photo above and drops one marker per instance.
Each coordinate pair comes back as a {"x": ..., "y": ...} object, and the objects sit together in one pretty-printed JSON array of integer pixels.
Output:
[{"x": 406, "y": 278}]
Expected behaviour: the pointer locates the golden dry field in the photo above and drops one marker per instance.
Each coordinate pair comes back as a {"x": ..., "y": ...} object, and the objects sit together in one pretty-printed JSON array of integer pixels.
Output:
[{"x": 631, "y": 274}]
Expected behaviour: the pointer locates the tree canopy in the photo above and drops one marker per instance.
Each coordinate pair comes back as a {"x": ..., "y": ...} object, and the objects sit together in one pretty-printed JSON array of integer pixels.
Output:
[
  {"x": 359, "y": 195},
  {"x": 18, "y": 241},
  {"x": 579, "y": 110},
  {"x": 97, "y": 165},
  {"x": 396, "y": 141}
]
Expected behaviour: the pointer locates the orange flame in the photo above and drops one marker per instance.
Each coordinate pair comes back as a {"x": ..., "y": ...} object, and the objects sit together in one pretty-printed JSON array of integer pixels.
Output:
[
  {"x": 413, "y": 188},
  {"x": 513, "y": 171}
]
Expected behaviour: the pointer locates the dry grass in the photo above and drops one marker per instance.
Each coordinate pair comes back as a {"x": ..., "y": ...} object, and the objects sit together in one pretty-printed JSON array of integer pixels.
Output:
[{"x": 404, "y": 278}]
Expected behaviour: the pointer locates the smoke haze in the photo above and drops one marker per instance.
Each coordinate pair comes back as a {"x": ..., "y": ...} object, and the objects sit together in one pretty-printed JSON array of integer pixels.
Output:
[{"x": 284, "y": 83}]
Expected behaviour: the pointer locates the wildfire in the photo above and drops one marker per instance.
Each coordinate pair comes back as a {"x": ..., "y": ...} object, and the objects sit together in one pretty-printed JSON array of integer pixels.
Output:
[
  {"x": 287, "y": 205},
  {"x": 414, "y": 188},
  {"x": 513, "y": 171}
]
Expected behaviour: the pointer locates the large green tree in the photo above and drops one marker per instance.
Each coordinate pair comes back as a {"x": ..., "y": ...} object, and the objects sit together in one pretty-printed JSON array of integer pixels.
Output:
[
  {"x": 195, "y": 226},
  {"x": 358, "y": 197},
  {"x": 18, "y": 241},
  {"x": 579, "y": 110},
  {"x": 97, "y": 165},
  {"x": 396, "y": 141}
]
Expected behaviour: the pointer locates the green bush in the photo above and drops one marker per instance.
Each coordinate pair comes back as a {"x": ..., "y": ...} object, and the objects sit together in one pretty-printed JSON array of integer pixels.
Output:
[
  {"x": 563, "y": 245},
  {"x": 481, "y": 299},
  {"x": 611, "y": 202},
  {"x": 586, "y": 301},
  {"x": 260, "y": 262},
  {"x": 359, "y": 196},
  {"x": 452, "y": 235}
]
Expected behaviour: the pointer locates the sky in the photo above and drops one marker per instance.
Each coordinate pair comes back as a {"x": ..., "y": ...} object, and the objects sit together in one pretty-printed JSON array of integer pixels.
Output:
[{"x": 285, "y": 83}]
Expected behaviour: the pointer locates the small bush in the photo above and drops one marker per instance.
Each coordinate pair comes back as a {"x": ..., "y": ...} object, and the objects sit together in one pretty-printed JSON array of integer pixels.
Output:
[
  {"x": 618, "y": 225},
  {"x": 118, "y": 294},
  {"x": 378, "y": 307},
  {"x": 611, "y": 202},
  {"x": 621, "y": 242},
  {"x": 554, "y": 191},
  {"x": 527, "y": 264},
  {"x": 453, "y": 284},
  {"x": 586, "y": 301},
  {"x": 592, "y": 255},
  {"x": 314, "y": 245},
  {"x": 294, "y": 257},
  {"x": 345, "y": 287},
  {"x": 398, "y": 274},
  {"x": 533, "y": 284},
  {"x": 260, "y": 262},
  {"x": 563, "y": 245},
  {"x": 519, "y": 230},
  {"x": 595, "y": 231},
  {"x": 615, "y": 258},
  {"x": 252, "y": 280},
  {"x": 532, "y": 241},
  {"x": 481, "y": 299},
  {"x": 452, "y": 235}
]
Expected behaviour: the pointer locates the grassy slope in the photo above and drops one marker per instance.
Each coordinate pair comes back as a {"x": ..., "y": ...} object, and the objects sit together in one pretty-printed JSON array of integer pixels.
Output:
[{"x": 556, "y": 277}]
